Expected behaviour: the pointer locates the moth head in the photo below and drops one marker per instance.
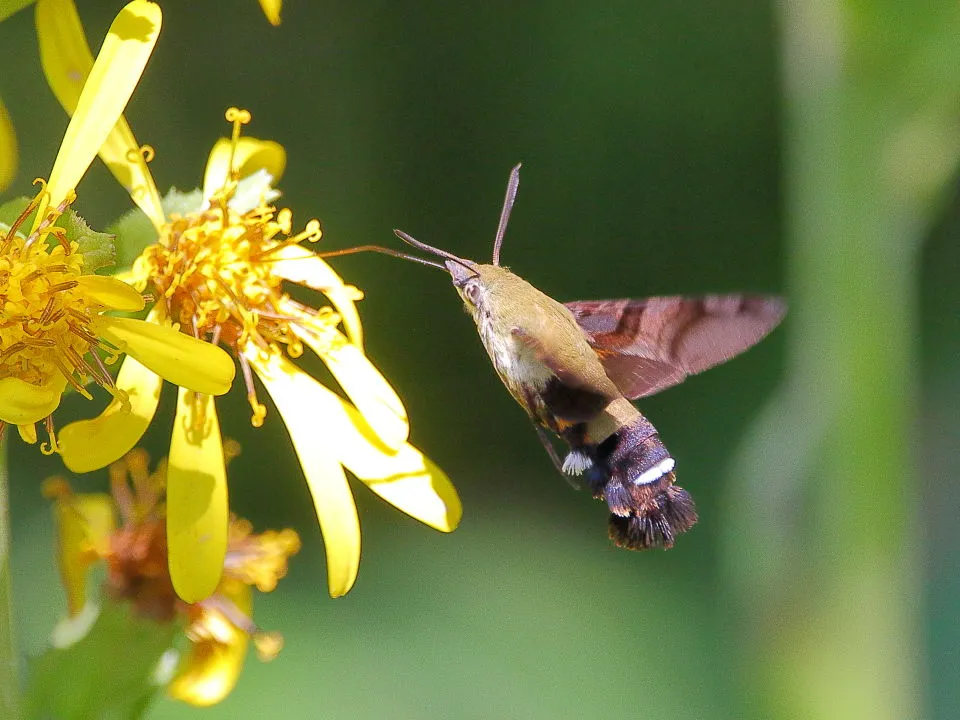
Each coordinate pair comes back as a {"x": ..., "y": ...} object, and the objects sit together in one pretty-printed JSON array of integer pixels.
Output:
[{"x": 468, "y": 281}]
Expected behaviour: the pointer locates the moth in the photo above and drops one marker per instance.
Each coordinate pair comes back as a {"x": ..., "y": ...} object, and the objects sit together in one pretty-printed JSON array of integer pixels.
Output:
[{"x": 574, "y": 368}]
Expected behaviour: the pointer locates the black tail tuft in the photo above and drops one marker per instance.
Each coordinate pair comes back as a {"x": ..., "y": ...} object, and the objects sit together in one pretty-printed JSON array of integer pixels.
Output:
[{"x": 657, "y": 522}]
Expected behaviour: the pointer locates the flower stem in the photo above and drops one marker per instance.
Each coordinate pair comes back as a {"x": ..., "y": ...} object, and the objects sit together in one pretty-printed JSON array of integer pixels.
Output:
[{"x": 9, "y": 657}]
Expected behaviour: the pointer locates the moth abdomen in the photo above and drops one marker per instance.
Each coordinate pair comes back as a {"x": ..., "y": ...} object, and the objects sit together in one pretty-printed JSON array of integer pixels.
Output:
[
  {"x": 657, "y": 522},
  {"x": 633, "y": 473}
]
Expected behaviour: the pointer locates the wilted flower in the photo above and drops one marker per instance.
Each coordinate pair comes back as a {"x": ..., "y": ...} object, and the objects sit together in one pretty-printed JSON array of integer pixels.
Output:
[
  {"x": 52, "y": 326},
  {"x": 125, "y": 530}
]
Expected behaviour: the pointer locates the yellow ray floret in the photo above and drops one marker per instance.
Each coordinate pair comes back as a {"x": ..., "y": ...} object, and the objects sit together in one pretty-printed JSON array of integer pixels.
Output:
[
  {"x": 197, "y": 511},
  {"x": 108, "y": 87},
  {"x": 404, "y": 478},
  {"x": 88, "y": 445},
  {"x": 67, "y": 62}
]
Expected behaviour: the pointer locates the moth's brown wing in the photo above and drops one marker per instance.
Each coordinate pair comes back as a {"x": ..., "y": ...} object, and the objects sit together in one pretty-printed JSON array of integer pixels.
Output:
[{"x": 652, "y": 344}]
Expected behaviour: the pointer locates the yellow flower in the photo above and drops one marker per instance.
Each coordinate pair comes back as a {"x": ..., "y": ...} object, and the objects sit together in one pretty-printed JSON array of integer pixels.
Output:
[
  {"x": 219, "y": 271},
  {"x": 125, "y": 530},
  {"x": 51, "y": 308}
]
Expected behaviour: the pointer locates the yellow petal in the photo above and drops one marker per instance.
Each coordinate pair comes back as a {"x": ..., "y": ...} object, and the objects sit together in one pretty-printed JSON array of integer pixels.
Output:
[
  {"x": 295, "y": 395},
  {"x": 299, "y": 265},
  {"x": 8, "y": 149},
  {"x": 115, "y": 74},
  {"x": 111, "y": 293},
  {"x": 251, "y": 155},
  {"x": 28, "y": 433},
  {"x": 197, "y": 512},
  {"x": 413, "y": 484},
  {"x": 88, "y": 445},
  {"x": 127, "y": 276},
  {"x": 67, "y": 62},
  {"x": 22, "y": 403},
  {"x": 84, "y": 523},
  {"x": 271, "y": 8},
  {"x": 364, "y": 385},
  {"x": 179, "y": 358},
  {"x": 406, "y": 479}
]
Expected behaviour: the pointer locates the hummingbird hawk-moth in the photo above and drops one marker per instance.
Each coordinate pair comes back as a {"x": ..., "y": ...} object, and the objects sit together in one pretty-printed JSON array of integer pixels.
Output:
[{"x": 574, "y": 367}]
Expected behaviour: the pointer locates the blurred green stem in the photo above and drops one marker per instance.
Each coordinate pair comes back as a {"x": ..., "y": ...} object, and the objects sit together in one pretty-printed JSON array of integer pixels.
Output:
[
  {"x": 9, "y": 658},
  {"x": 825, "y": 531}
]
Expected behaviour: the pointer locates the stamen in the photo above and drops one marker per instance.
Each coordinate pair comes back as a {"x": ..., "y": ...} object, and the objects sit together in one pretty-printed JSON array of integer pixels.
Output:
[
  {"x": 16, "y": 347},
  {"x": 81, "y": 316},
  {"x": 21, "y": 218},
  {"x": 121, "y": 396},
  {"x": 49, "y": 315},
  {"x": 82, "y": 332},
  {"x": 259, "y": 409},
  {"x": 285, "y": 220},
  {"x": 61, "y": 235},
  {"x": 68, "y": 374},
  {"x": 42, "y": 228},
  {"x": 39, "y": 342},
  {"x": 51, "y": 447},
  {"x": 238, "y": 117},
  {"x": 103, "y": 369},
  {"x": 63, "y": 286}
]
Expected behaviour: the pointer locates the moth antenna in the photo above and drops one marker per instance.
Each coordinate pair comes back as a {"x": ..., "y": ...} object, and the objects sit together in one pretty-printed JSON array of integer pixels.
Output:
[
  {"x": 512, "y": 184},
  {"x": 379, "y": 249}
]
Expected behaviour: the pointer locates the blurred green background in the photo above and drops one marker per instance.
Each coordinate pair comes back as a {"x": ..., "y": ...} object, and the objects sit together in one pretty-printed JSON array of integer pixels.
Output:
[{"x": 664, "y": 152}]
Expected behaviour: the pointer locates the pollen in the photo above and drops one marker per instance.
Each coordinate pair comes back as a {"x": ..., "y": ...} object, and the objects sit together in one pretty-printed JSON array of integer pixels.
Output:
[
  {"x": 213, "y": 271},
  {"x": 47, "y": 307}
]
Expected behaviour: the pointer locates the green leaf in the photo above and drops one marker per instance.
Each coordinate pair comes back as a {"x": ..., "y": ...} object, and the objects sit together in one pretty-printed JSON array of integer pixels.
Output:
[
  {"x": 96, "y": 247},
  {"x": 108, "y": 673},
  {"x": 134, "y": 232}
]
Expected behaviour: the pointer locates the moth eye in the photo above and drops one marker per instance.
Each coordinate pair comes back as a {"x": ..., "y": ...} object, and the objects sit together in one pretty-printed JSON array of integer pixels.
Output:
[{"x": 472, "y": 291}]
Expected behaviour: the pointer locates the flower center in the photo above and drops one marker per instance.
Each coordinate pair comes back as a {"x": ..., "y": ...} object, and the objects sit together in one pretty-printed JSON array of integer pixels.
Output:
[
  {"x": 213, "y": 271},
  {"x": 45, "y": 313}
]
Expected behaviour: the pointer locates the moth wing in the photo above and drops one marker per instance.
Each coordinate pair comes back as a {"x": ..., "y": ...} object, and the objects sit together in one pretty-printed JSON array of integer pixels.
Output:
[{"x": 649, "y": 345}]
